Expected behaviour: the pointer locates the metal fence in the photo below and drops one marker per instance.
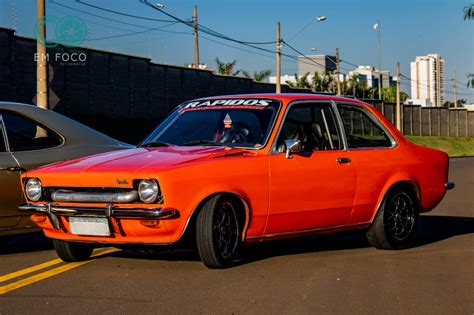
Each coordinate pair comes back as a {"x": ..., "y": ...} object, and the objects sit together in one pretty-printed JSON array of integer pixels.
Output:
[{"x": 126, "y": 96}]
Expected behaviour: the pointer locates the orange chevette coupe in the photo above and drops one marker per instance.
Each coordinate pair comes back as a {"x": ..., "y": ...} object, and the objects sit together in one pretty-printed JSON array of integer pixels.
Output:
[{"x": 231, "y": 170}]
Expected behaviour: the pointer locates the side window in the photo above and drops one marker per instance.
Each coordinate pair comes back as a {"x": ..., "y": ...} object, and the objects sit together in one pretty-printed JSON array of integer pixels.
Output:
[
  {"x": 26, "y": 135},
  {"x": 313, "y": 124},
  {"x": 361, "y": 131}
]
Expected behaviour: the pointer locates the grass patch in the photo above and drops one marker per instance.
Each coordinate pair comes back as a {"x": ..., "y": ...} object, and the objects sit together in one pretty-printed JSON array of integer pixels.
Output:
[{"x": 454, "y": 146}]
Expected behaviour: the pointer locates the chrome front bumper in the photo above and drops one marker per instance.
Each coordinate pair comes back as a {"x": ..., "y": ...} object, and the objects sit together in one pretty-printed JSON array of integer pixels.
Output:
[
  {"x": 108, "y": 212},
  {"x": 449, "y": 185}
]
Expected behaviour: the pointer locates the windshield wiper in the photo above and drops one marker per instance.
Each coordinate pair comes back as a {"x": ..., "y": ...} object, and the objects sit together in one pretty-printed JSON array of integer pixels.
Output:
[
  {"x": 201, "y": 141},
  {"x": 154, "y": 144}
]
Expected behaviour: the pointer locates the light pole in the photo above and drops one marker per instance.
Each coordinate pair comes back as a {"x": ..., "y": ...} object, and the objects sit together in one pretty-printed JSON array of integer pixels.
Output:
[
  {"x": 377, "y": 28},
  {"x": 318, "y": 19}
]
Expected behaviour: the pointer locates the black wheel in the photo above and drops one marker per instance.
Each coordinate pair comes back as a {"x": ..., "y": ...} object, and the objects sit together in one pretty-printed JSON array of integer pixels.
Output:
[
  {"x": 70, "y": 252},
  {"x": 395, "y": 225},
  {"x": 218, "y": 232}
]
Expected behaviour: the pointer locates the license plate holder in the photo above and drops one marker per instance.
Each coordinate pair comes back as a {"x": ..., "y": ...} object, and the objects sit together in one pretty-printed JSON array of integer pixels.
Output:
[{"x": 89, "y": 226}]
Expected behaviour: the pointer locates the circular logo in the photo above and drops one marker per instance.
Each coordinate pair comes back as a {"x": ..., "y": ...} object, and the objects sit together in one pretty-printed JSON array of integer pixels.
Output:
[{"x": 69, "y": 31}]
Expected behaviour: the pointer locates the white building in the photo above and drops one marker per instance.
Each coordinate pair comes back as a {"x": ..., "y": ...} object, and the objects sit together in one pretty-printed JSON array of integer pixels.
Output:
[
  {"x": 371, "y": 75},
  {"x": 427, "y": 80}
]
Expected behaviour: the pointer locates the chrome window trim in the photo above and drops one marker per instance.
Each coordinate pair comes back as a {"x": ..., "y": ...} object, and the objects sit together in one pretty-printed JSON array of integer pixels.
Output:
[
  {"x": 372, "y": 118},
  {"x": 4, "y": 134},
  {"x": 296, "y": 102}
]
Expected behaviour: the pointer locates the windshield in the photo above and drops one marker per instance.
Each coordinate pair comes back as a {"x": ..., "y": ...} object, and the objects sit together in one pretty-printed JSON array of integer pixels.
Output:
[{"x": 231, "y": 122}]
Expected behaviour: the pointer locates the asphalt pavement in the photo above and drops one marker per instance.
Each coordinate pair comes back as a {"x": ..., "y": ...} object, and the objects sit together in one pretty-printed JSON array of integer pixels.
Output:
[{"x": 332, "y": 274}]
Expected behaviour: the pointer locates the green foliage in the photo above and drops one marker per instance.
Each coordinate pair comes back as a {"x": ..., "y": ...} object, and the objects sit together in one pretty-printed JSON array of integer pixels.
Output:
[
  {"x": 469, "y": 12},
  {"x": 389, "y": 94},
  {"x": 470, "y": 80},
  {"x": 454, "y": 146},
  {"x": 301, "y": 82},
  {"x": 258, "y": 76},
  {"x": 226, "y": 68}
]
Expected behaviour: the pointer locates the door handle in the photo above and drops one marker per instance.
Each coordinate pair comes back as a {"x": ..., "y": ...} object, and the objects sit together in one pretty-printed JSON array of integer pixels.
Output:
[
  {"x": 343, "y": 160},
  {"x": 12, "y": 169}
]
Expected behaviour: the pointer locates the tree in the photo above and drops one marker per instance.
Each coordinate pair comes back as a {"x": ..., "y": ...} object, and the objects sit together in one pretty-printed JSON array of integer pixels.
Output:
[
  {"x": 323, "y": 82},
  {"x": 470, "y": 80},
  {"x": 300, "y": 82},
  {"x": 226, "y": 68},
  {"x": 258, "y": 76},
  {"x": 469, "y": 12},
  {"x": 389, "y": 94}
]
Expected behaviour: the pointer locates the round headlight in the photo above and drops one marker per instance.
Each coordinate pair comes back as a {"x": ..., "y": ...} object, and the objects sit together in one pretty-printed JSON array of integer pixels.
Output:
[
  {"x": 33, "y": 189},
  {"x": 148, "y": 190}
]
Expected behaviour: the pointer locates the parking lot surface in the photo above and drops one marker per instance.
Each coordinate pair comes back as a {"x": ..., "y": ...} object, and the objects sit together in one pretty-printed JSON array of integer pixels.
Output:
[{"x": 323, "y": 274}]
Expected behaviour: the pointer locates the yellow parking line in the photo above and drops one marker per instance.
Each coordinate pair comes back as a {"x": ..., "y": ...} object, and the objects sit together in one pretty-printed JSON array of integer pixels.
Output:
[
  {"x": 46, "y": 274},
  {"x": 25, "y": 271}
]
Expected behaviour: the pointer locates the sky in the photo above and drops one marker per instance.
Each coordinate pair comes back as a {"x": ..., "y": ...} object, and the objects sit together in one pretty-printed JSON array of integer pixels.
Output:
[{"x": 409, "y": 28}]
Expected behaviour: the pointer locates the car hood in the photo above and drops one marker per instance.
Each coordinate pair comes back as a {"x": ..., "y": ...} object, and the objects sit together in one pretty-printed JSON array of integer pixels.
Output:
[{"x": 139, "y": 160}]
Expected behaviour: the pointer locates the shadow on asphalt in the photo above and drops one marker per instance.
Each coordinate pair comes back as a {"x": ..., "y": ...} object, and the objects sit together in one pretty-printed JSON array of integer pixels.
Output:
[
  {"x": 24, "y": 243},
  {"x": 432, "y": 229}
]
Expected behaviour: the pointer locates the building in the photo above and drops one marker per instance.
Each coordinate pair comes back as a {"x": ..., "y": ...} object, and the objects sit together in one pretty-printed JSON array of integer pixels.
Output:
[
  {"x": 427, "y": 80},
  {"x": 313, "y": 63},
  {"x": 372, "y": 75}
]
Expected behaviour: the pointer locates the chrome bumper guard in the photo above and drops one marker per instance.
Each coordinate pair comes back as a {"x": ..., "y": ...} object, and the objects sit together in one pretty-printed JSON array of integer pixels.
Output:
[
  {"x": 108, "y": 212},
  {"x": 449, "y": 185}
]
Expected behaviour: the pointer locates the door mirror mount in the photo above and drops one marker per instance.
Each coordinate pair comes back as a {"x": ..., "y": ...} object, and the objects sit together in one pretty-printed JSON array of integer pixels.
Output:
[{"x": 292, "y": 146}]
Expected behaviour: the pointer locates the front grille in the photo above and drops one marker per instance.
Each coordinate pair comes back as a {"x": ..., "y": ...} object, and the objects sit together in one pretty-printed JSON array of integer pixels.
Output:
[{"x": 47, "y": 191}]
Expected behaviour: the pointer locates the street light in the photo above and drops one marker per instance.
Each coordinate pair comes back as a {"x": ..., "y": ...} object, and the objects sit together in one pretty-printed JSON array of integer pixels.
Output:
[
  {"x": 313, "y": 49},
  {"x": 159, "y": 5},
  {"x": 318, "y": 19}
]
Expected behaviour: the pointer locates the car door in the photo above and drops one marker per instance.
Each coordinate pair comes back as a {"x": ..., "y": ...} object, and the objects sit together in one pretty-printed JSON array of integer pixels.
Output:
[
  {"x": 10, "y": 188},
  {"x": 315, "y": 188},
  {"x": 372, "y": 152},
  {"x": 31, "y": 145}
]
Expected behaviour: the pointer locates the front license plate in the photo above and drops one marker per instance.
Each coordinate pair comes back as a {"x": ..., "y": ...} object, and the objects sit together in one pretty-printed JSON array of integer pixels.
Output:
[{"x": 89, "y": 226}]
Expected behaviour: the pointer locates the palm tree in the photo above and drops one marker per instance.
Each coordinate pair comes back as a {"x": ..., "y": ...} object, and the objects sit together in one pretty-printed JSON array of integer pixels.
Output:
[
  {"x": 323, "y": 82},
  {"x": 469, "y": 12},
  {"x": 301, "y": 82},
  {"x": 258, "y": 76},
  {"x": 470, "y": 78},
  {"x": 354, "y": 83},
  {"x": 226, "y": 68}
]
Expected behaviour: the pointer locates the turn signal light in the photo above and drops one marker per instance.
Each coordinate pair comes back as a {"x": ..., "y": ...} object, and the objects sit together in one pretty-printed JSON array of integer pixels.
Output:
[
  {"x": 150, "y": 223},
  {"x": 38, "y": 218}
]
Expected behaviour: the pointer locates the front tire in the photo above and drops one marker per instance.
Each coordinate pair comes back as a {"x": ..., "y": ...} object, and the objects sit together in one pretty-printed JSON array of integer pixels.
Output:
[
  {"x": 395, "y": 225},
  {"x": 71, "y": 252},
  {"x": 218, "y": 232}
]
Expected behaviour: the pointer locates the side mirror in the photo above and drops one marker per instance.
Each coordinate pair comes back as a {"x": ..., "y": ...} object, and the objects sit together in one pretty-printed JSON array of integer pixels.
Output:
[{"x": 291, "y": 147}]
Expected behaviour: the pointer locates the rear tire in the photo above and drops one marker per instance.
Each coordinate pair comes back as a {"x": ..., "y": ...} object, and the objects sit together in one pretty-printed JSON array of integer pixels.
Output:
[
  {"x": 70, "y": 252},
  {"x": 218, "y": 232},
  {"x": 395, "y": 225}
]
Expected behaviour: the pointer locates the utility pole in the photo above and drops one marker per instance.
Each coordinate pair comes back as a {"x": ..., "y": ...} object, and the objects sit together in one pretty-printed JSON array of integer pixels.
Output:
[
  {"x": 398, "y": 113},
  {"x": 196, "y": 38},
  {"x": 377, "y": 28},
  {"x": 338, "y": 80},
  {"x": 41, "y": 61},
  {"x": 455, "y": 93},
  {"x": 278, "y": 59}
]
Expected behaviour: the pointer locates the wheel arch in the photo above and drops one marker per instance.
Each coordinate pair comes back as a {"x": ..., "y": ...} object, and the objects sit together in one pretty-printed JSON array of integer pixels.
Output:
[
  {"x": 244, "y": 213},
  {"x": 407, "y": 184}
]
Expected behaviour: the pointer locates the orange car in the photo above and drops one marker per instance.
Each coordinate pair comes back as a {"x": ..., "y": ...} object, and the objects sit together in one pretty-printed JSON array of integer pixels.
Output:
[{"x": 232, "y": 170}]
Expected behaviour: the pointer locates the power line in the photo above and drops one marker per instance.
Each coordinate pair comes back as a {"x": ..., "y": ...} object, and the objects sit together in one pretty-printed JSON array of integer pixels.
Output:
[
  {"x": 121, "y": 13},
  {"x": 96, "y": 15},
  {"x": 132, "y": 33}
]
